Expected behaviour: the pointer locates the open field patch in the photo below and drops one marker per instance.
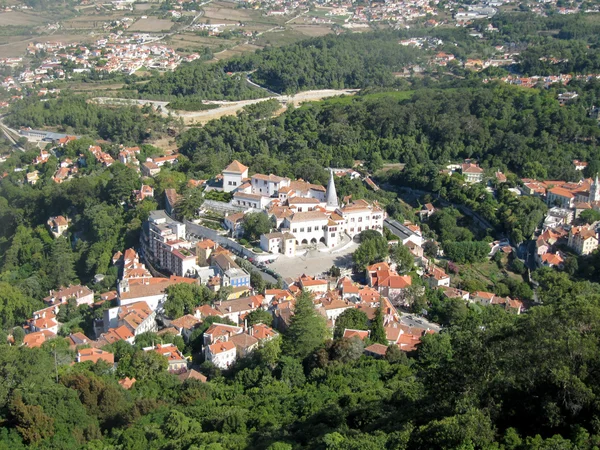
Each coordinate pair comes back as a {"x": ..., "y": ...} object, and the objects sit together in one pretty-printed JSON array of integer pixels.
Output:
[
  {"x": 228, "y": 11},
  {"x": 151, "y": 24},
  {"x": 20, "y": 19},
  {"x": 236, "y": 51},
  {"x": 312, "y": 30}
]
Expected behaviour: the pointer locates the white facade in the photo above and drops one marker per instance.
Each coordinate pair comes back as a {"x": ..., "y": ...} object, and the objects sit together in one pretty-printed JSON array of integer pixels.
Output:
[
  {"x": 268, "y": 185},
  {"x": 233, "y": 176},
  {"x": 357, "y": 220},
  {"x": 250, "y": 200},
  {"x": 221, "y": 354},
  {"x": 284, "y": 243}
]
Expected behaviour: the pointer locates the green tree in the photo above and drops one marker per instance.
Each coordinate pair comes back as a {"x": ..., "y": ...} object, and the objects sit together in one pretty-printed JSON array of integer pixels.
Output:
[
  {"x": 404, "y": 259},
  {"x": 61, "y": 265},
  {"x": 255, "y": 224},
  {"x": 378, "y": 334},
  {"x": 589, "y": 216},
  {"x": 430, "y": 249},
  {"x": 307, "y": 330},
  {"x": 351, "y": 318},
  {"x": 183, "y": 298},
  {"x": 189, "y": 204},
  {"x": 15, "y": 308},
  {"x": 373, "y": 248},
  {"x": 31, "y": 421},
  {"x": 259, "y": 316}
]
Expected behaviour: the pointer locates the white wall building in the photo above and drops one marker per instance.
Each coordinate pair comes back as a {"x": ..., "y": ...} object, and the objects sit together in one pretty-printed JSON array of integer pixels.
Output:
[{"x": 233, "y": 176}]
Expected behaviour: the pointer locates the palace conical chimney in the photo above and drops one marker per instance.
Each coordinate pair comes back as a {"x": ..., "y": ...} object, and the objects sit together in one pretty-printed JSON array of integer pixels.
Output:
[{"x": 332, "y": 200}]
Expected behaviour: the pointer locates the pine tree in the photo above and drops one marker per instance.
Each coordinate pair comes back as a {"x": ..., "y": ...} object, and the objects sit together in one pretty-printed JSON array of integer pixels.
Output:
[
  {"x": 308, "y": 329},
  {"x": 377, "y": 330},
  {"x": 61, "y": 268}
]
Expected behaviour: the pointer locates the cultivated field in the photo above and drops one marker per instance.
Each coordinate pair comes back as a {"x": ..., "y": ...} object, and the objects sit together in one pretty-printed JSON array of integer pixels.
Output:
[
  {"x": 228, "y": 11},
  {"x": 236, "y": 51},
  {"x": 151, "y": 24},
  {"x": 20, "y": 19}
]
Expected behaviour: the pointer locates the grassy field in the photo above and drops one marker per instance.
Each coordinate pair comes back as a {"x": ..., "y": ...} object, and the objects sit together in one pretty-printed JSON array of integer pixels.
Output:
[{"x": 486, "y": 272}]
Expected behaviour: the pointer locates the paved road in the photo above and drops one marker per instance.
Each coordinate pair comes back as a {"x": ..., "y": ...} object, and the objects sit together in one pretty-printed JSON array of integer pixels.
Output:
[{"x": 413, "y": 320}]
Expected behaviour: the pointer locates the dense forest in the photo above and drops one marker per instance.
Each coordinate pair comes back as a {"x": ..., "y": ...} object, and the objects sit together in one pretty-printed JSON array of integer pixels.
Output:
[
  {"x": 200, "y": 81},
  {"x": 525, "y": 131},
  {"x": 328, "y": 62},
  {"x": 335, "y": 62},
  {"x": 77, "y": 115}
]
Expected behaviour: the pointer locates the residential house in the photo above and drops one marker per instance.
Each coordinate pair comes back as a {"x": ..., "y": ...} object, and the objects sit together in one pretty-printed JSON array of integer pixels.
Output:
[
  {"x": 552, "y": 260},
  {"x": 137, "y": 317},
  {"x": 558, "y": 196},
  {"x": 284, "y": 243},
  {"x": 76, "y": 339},
  {"x": 204, "y": 311},
  {"x": 583, "y": 240},
  {"x": 204, "y": 249},
  {"x": 233, "y": 223},
  {"x": 185, "y": 325},
  {"x": 312, "y": 285},
  {"x": 36, "y": 339},
  {"x": 471, "y": 172},
  {"x": 360, "y": 334},
  {"x": 192, "y": 375},
  {"x": 437, "y": 277},
  {"x": 144, "y": 192},
  {"x": 82, "y": 294},
  {"x": 150, "y": 169},
  {"x": 58, "y": 225},
  {"x": 113, "y": 335},
  {"x": 171, "y": 199},
  {"x": 234, "y": 175},
  {"x": 127, "y": 383},
  {"x": 244, "y": 344},
  {"x": 376, "y": 350},
  {"x": 387, "y": 282},
  {"x": 222, "y": 354},
  {"x": 94, "y": 355},
  {"x": 176, "y": 360},
  {"x": 33, "y": 177},
  {"x": 236, "y": 310},
  {"x": 262, "y": 332},
  {"x": 426, "y": 212}
]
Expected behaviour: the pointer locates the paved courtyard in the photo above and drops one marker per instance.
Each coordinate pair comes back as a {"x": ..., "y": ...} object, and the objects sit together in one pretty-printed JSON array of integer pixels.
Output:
[{"x": 314, "y": 262}]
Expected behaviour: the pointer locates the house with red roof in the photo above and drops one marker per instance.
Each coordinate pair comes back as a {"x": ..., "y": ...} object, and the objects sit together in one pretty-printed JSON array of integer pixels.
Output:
[
  {"x": 176, "y": 360},
  {"x": 234, "y": 175},
  {"x": 222, "y": 354},
  {"x": 95, "y": 355},
  {"x": 360, "y": 334}
]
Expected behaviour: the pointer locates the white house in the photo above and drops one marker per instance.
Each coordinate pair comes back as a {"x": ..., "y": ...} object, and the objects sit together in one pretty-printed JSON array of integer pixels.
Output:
[
  {"x": 233, "y": 176},
  {"x": 268, "y": 185},
  {"x": 284, "y": 243},
  {"x": 137, "y": 317},
  {"x": 221, "y": 354}
]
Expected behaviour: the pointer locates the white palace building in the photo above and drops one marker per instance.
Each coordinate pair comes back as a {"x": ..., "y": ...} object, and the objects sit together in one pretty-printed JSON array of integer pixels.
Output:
[{"x": 304, "y": 213}]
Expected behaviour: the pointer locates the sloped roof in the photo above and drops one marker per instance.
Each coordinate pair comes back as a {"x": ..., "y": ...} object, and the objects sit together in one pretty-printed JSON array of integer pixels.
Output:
[{"x": 235, "y": 167}]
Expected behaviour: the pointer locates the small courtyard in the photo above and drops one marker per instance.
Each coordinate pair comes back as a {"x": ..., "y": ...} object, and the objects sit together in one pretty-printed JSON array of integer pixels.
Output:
[{"x": 314, "y": 262}]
